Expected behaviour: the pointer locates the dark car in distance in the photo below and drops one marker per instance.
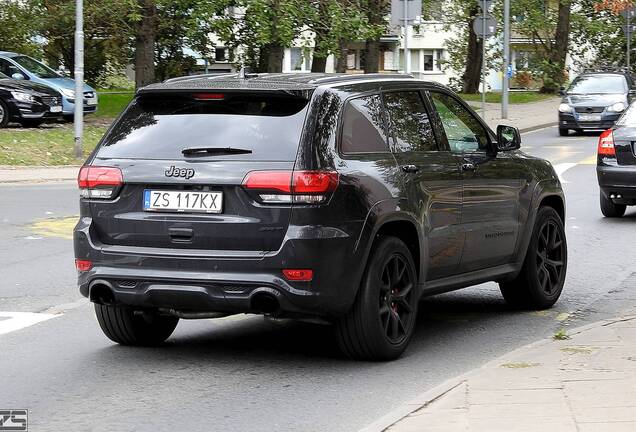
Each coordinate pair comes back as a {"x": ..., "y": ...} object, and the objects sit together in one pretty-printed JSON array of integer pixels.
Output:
[
  {"x": 594, "y": 101},
  {"x": 27, "y": 103},
  {"x": 616, "y": 165},
  {"x": 337, "y": 198}
]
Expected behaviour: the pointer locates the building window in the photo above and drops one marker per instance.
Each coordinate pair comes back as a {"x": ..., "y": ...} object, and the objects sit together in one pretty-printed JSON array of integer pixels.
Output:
[
  {"x": 429, "y": 60},
  {"x": 415, "y": 60},
  {"x": 296, "y": 59},
  {"x": 300, "y": 60},
  {"x": 220, "y": 54},
  {"x": 351, "y": 59},
  {"x": 424, "y": 60}
]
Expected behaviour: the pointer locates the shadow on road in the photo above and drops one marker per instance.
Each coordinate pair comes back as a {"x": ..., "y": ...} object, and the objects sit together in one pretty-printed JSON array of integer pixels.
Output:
[{"x": 442, "y": 320}]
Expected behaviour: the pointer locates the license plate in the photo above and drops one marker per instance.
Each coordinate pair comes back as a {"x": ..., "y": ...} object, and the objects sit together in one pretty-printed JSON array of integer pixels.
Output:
[
  {"x": 183, "y": 201},
  {"x": 91, "y": 101},
  {"x": 55, "y": 109},
  {"x": 590, "y": 117}
]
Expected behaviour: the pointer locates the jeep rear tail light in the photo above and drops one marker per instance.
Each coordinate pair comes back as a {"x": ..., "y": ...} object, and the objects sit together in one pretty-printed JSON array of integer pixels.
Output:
[
  {"x": 301, "y": 187},
  {"x": 99, "y": 182},
  {"x": 298, "y": 275},
  {"x": 606, "y": 144},
  {"x": 83, "y": 265}
]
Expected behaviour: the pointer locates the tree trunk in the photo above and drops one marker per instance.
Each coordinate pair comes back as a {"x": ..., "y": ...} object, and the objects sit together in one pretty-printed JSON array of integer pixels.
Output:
[
  {"x": 472, "y": 74},
  {"x": 275, "y": 58},
  {"x": 145, "y": 44},
  {"x": 341, "y": 61},
  {"x": 559, "y": 50},
  {"x": 372, "y": 56},
  {"x": 319, "y": 61}
]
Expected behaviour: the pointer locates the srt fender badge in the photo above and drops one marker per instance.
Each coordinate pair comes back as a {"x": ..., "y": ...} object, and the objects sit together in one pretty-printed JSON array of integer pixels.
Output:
[{"x": 179, "y": 172}]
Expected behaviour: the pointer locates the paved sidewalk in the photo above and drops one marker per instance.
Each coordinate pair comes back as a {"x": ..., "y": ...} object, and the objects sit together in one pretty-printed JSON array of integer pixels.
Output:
[
  {"x": 584, "y": 383},
  {"x": 35, "y": 174},
  {"x": 526, "y": 117}
]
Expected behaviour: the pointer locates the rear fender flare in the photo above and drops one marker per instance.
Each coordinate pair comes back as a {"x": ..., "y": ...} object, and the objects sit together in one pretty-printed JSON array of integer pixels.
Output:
[
  {"x": 380, "y": 214},
  {"x": 543, "y": 189}
]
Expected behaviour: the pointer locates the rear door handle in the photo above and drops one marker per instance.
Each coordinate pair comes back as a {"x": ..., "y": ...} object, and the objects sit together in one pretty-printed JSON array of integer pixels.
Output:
[
  {"x": 467, "y": 166},
  {"x": 410, "y": 168}
]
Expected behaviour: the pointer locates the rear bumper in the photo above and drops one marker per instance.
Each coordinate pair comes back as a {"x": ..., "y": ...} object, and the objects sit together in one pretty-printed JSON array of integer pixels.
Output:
[
  {"x": 218, "y": 281},
  {"x": 569, "y": 121},
  {"x": 618, "y": 180}
]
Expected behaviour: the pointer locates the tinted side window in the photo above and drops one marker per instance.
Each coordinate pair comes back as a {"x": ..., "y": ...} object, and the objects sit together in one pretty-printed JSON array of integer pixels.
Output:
[
  {"x": 363, "y": 126},
  {"x": 7, "y": 68},
  {"x": 410, "y": 123},
  {"x": 463, "y": 131}
]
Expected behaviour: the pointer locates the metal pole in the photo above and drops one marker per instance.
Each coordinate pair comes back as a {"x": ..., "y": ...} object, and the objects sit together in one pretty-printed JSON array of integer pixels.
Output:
[
  {"x": 79, "y": 76},
  {"x": 407, "y": 57},
  {"x": 506, "y": 59},
  {"x": 629, "y": 37},
  {"x": 483, "y": 60}
]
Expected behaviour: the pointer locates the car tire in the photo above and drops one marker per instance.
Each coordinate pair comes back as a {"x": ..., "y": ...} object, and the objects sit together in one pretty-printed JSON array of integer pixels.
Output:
[
  {"x": 382, "y": 319},
  {"x": 124, "y": 326},
  {"x": 68, "y": 118},
  {"x": 611, "y": 210},
  {"x": 564, "y": 132},
  {"x": 4, "y": 114},
  {"x": 31, "y": 123},
  {"x": 540, "y": 282}
]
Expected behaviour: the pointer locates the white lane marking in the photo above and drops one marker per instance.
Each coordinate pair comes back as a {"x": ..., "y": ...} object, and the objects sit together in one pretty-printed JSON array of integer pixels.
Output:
[
  {"x": 562, "y": 168},
  {"x": 12, "y": 321}
]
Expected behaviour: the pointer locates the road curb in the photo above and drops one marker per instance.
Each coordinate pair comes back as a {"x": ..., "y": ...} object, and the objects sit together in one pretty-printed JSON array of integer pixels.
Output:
[
  {"x": 438, "y": 392},
  {"x": 537, "y": 127}
]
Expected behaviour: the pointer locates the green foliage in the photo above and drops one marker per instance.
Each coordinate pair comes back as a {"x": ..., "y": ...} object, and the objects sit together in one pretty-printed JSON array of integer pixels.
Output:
[
  {"x": 17, "y": 28},
  {"x": 605, "y": 43},
  {"x": 106, "y": 33}
]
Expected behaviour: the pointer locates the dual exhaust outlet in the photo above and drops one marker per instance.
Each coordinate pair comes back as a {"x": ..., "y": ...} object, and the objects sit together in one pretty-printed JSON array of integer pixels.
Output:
[
  {"x": 615, "y": 196},
  {"x": 262, "y": 301}
]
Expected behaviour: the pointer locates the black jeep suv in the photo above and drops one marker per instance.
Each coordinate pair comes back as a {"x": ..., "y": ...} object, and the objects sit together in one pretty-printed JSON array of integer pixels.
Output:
[{"x": 338, "y": 198}]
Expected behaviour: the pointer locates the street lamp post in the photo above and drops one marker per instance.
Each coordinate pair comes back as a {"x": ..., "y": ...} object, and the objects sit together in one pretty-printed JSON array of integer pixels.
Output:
[
  {"x": 407, "y": 57},
  {"x": 79, "y": 77},
  {"x": 506, "y": 60},
  {"x": 484, "y": 12}
]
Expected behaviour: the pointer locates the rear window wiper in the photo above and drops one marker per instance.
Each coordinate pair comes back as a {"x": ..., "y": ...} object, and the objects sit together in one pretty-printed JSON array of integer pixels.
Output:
[{"x": 190, "y": 151}]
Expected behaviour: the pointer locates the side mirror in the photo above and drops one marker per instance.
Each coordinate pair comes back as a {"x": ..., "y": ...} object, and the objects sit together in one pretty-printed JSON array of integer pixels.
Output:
[
  {"x": 508, "y": 138},
  {"x": 18, "y": 76},
  {"x": 562, "y": 91}
]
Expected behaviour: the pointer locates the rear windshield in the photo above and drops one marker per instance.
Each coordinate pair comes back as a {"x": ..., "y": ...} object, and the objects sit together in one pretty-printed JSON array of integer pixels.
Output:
[{"x": 160, "y": 127}]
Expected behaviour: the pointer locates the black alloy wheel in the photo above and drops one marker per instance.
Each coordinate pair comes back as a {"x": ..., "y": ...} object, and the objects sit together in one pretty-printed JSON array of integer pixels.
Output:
[
  {"x": 382, "y": 319},
  {"x": 396, "y": 293},
  {"x": 540, "y": 282},
  {"x": 550, "y": 254}
]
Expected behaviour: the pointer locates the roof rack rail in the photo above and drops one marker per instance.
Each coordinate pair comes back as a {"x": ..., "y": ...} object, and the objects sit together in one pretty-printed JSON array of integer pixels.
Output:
[{"x": 198, "y": 76}]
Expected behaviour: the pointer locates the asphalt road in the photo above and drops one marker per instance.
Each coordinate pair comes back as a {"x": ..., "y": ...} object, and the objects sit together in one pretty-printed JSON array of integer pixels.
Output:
[{"x": 245, "y": 374}]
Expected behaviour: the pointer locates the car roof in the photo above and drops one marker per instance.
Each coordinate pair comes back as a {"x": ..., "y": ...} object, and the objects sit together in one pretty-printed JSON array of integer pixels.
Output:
[
  {"x": 623, "y": 74},
  {"x": 270, "y": 82}
]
